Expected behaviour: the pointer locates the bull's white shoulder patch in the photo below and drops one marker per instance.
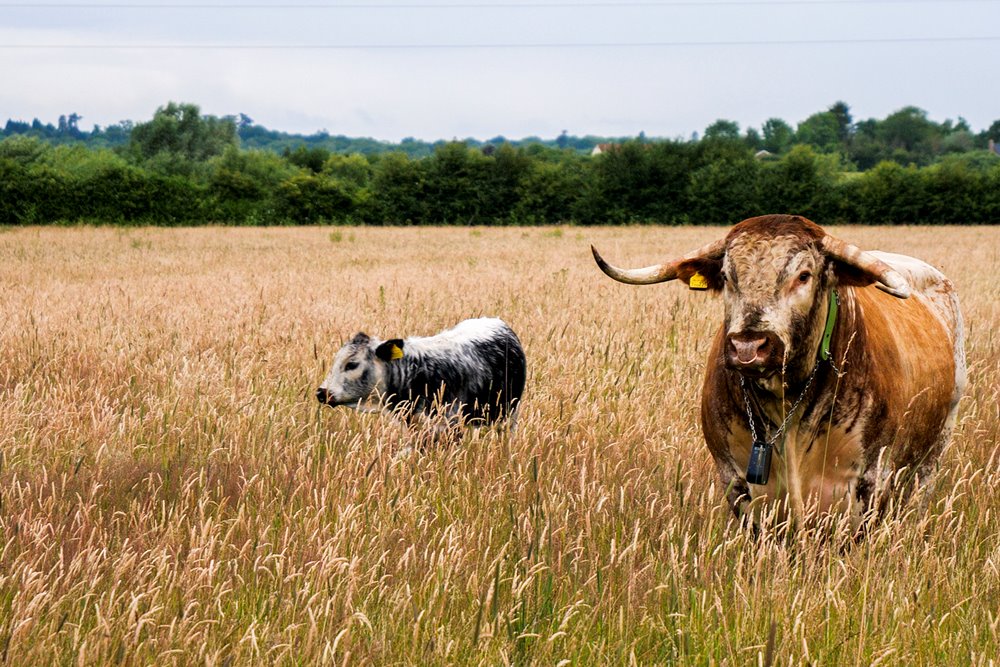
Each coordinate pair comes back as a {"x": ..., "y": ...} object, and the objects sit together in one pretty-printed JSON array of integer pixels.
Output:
[{"x": 920, "y": 275}]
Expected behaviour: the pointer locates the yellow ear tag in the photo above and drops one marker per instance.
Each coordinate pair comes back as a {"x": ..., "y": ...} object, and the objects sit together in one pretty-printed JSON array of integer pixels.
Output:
[
  {"x": 397, "y": 353},
  {"x": 698, "y": 281}
]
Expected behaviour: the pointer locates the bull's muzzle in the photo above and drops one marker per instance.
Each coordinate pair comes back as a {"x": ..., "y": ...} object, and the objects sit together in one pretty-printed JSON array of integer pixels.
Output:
[
  {"x": 324, "y": 396},
  {"x": 754, "y": 352}
]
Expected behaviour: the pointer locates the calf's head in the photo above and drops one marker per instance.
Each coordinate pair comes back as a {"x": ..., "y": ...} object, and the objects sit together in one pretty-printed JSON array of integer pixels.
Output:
[
  {"x": 358, "y": 372},
  {"x": 775, "y": 273}
]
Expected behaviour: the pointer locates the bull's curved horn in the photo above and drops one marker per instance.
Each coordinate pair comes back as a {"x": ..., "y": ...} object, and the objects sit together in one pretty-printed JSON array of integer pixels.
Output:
[
  {"x": 887, "y": 278},
  {"x": 658, "y": 273}
]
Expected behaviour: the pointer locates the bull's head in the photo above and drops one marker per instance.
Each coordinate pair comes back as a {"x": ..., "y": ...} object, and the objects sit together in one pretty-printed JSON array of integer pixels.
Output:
[{"x": 775, "y": 273}]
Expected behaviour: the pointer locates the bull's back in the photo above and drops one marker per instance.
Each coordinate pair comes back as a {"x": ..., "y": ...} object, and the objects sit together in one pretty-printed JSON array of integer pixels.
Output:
[{"x": 933, "y": 289}]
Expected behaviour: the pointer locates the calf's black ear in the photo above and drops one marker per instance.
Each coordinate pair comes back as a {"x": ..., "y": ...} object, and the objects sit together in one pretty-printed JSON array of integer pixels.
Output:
[{"x": 390, "y": 350}]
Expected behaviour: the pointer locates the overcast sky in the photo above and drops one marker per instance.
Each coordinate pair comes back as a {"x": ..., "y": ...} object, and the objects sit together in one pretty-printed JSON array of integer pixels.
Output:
[{"x": 452, "y": 69}]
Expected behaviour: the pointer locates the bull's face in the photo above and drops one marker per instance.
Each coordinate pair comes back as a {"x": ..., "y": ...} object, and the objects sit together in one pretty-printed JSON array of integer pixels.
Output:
[
  {"x": 774, "y": 272},
  {"x": 358, "y": 372},
  {"x": 773, "y": 289}
]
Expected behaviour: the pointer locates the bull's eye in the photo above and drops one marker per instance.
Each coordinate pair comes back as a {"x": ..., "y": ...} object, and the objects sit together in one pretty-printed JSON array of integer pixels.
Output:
[
  {"x": 804, "y": 277},
  {"x": 350, "y": 366}
]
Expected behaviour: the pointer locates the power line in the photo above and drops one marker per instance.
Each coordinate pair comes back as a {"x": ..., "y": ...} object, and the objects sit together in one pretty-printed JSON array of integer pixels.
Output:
[
  {"x": 470, "y": 5},
  {"x": 498, "y": 45}
]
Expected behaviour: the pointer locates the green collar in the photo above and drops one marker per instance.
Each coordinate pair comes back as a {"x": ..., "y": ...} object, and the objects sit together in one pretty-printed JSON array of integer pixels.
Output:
[{"x": 831, "y": 319}]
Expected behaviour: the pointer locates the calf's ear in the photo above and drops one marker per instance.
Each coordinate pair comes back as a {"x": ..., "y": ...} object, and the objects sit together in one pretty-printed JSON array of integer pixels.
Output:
[
  {"x": 701, "y": 273},
  {"x": 390, "y": 350}
]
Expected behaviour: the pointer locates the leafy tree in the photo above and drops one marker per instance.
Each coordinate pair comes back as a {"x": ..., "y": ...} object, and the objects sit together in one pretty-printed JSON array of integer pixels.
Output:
[
  {"x": 639, "y": 183},
  {"x": 69, "y": 125},
  {"x": 548, "y": 191},
  {"x": 24, "y": 150},
  {"x": 959, "y": 141},
  {"x": 842, "y": 113},
  {"x": 778, "y": 135},
  {"x": 866, "y": 148},
  {"x": 725, "y": 190},
  {"x": 16, "y": 127},
  {"x": 310, "y": 198},
  {"x": 952, "y": 193},
  {"x": 614, "y": 189},
  {"x": 723, "y": 129},
  {"x": 398, "y": 191},
  {"x": 821, "y": 131},
  {"x": 181, "y": 133},
  {"x": 117, "y": 134},
  {"x": 504, "y": 174},
  {"x": 910, "y": 134},
  {"x": 802, "y": 181},
  {"x": 312, "y": 159},
  {"x": 887, "y": 194},
  {"x": 993, "y": 132},
  {"x": 244, "y": 185},
  {"x": 453, "y": 177},
  {"x": 354, "y": 169}
]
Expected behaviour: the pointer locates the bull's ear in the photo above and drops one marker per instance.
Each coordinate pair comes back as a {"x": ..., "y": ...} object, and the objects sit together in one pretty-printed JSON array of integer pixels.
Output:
[
  {"x": 701, "y": 273},
  {"x": 360, "y": 338},
  {"x": 851, "y": 276},
  {"x": 390, "y": 350}
]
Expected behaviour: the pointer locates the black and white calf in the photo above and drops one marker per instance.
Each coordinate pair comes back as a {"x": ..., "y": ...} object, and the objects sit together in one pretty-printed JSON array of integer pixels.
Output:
[{"x": 474, "y": 372}]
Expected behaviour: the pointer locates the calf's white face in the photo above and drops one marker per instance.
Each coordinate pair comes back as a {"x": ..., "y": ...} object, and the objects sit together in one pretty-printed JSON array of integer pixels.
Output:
[{"x": 355, "y": 374}]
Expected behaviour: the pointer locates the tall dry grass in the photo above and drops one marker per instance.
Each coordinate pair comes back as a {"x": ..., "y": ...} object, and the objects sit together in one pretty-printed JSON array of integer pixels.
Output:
[{"x": 172, "y": 493}]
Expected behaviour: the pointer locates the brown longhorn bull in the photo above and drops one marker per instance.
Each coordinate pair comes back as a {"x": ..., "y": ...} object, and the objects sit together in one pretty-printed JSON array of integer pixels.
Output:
[{"x": 830, "y": 396}]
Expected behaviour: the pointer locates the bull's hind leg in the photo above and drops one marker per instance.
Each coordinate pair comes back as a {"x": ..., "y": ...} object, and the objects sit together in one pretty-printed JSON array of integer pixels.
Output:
[
  {"x": 919, "y": 485},
  {"x": 881, "y": 492},
  {"x": 923, "y": 486},
  {"x": 927, "y": 473}
]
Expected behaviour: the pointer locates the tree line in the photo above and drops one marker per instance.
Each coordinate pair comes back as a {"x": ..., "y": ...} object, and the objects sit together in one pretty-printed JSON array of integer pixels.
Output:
[
  {"x": 183, "y": 167},
  {"x": 905, "y": 136}
]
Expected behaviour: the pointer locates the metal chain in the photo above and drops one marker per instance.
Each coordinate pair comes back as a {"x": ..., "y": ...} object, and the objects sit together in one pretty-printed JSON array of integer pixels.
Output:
[
  {"x": 788, "y": 417},
  {"x": 746, "y": 400}
]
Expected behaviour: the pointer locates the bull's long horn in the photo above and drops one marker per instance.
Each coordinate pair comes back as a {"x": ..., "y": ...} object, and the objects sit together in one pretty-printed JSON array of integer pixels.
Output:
[
  {"x": 658, "y": 273},
  {"x": 887, "y": 278}
]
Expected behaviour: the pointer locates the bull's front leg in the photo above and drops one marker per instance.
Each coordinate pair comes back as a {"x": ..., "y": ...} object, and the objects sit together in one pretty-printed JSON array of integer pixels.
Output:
[{"x": 737, "y": 492}]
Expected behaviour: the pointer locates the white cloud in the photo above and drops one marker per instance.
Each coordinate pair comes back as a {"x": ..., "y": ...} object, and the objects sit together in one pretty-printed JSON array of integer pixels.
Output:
[{"x": 448, "y": 92}]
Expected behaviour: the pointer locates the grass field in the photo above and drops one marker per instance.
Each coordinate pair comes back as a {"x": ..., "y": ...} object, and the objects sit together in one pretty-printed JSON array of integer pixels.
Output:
[{"x": 171, "y": 492}]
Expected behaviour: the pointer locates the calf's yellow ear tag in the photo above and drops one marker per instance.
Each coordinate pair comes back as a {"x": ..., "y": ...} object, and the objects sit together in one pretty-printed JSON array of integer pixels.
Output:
[
  {"x": 698, "y": 281},
  {"x": 396, "y": 353}
]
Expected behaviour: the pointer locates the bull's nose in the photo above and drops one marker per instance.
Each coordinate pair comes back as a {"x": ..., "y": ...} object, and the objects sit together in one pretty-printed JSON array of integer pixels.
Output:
[
  {"x": 322, "y": 395},
  {"x": 747, "y": 349}
]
